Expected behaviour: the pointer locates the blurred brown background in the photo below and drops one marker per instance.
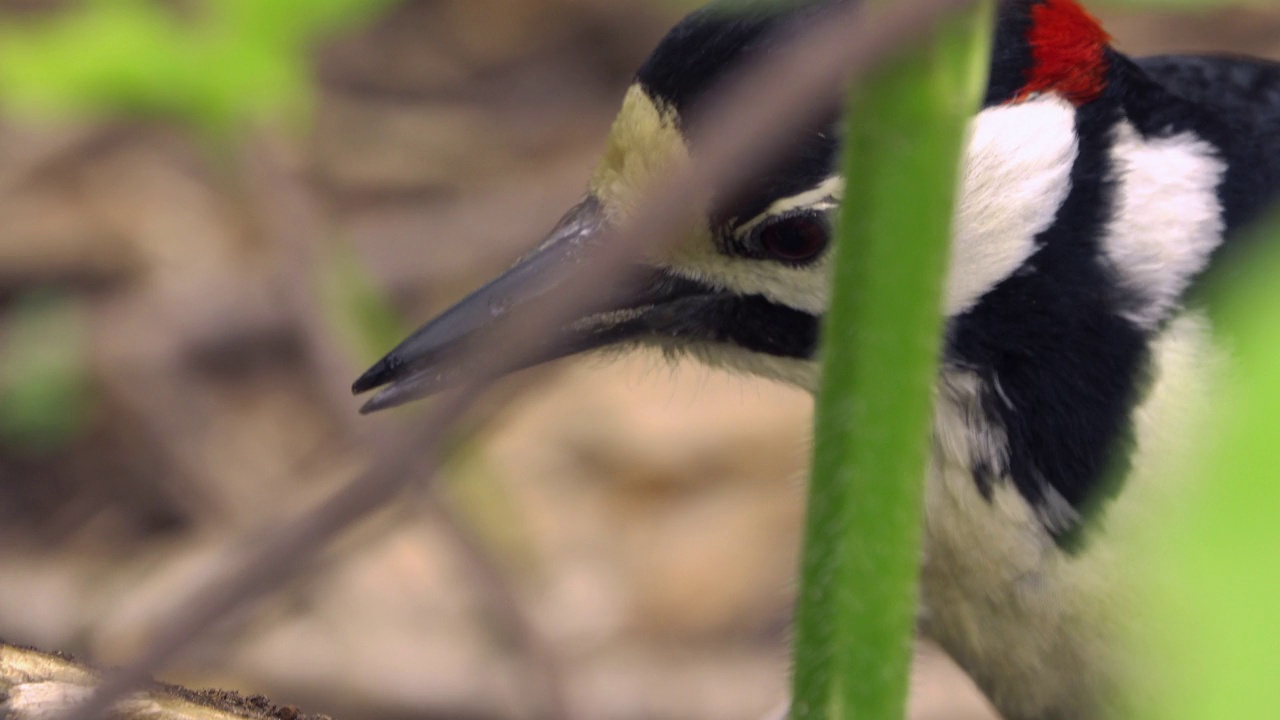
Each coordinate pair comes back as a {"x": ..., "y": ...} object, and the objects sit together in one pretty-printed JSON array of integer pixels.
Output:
[{"x": 625, "y": 532}]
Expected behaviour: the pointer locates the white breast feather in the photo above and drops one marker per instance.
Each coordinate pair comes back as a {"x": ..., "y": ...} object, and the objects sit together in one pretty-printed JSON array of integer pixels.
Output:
[{"x": 1035, "y": 626}]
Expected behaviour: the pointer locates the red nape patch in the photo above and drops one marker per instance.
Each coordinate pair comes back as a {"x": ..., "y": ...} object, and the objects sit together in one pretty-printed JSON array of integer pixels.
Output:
[{"x": 1068, "y": 52}]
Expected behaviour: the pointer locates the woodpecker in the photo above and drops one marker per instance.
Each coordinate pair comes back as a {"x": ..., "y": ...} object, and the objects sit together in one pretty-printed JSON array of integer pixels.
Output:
[{"x": 1097, "y": 193}]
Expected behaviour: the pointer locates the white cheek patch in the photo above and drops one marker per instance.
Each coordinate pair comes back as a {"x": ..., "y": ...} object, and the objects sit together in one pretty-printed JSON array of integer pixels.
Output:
[
  {"x": 1016, "y": 175},
  {"x": 803, "y": 288},
  {"x": 1167, "y": 220},
  {"x": 803, "y": 374}
]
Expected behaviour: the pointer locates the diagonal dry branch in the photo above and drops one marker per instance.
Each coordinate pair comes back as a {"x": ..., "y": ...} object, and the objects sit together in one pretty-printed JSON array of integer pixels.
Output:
[
  {"x": 291, "y": 219},
  {"x": 742, "y": 131}
]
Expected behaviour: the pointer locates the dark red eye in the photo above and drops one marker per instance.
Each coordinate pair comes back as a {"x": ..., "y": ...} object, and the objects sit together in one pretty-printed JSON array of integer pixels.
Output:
[{"x": 795, "y": 239}]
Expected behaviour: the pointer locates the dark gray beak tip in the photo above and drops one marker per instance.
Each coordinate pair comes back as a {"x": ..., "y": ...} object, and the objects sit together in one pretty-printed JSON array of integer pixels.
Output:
[
  {"x": 380, "y": 374},
  {"x": 373, "y": 405},
  {"x": 412, "y": 367},
  {"x": 404, "y": 387},
  {"x": 393, "y": 395}
]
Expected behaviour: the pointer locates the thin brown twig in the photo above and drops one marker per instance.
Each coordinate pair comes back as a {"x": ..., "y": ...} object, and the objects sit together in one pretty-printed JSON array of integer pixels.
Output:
[
  {"x": 544, "y": 666},
  {"x": 65, "y": 153},
  {"x": 289, "y": 217},
  {"x": 751, "y": 118},
  {"x": 290, "y": 221}
]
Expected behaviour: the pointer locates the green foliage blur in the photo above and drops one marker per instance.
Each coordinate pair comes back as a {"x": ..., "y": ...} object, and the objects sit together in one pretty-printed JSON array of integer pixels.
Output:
[
  {"x": 220, "y": 68},
  {"x": 44, "y": 376},
  {"x": 357, "y": 309},
  {"x": 1210, "y": 565},
  {"x": 221, "y": 65}
]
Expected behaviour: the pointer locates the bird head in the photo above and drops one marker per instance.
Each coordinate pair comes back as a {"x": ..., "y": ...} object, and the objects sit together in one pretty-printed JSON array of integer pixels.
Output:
[{"x": 747, "y": 284}]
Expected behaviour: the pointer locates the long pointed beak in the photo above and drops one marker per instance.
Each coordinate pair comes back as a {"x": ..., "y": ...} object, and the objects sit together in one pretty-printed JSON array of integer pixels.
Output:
[{"x": 426, "y": 362}]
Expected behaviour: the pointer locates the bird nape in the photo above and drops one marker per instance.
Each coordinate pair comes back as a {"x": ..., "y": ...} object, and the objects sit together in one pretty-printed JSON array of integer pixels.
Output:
[{"x": 1097, "y": 191}]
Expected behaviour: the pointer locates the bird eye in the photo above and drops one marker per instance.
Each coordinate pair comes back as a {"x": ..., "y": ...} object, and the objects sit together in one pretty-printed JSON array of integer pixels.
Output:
[{"x": 795, "y": 239}]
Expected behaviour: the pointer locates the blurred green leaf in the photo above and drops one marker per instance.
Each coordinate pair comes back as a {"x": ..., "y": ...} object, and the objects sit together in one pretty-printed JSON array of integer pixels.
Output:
[
  {"x": 233, "y": 63},
  {"x": 1210, "y": 556},
  {"x": 45, "y": 397},
  {"x": 355, "y": 304},
  {"x": 286, "y": 22}
]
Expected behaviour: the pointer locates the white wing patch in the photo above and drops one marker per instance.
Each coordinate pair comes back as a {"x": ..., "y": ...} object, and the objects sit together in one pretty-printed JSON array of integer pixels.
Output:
[
  {"x": 1016, "y": 175},
  {"x": 1167, "y": 220}
]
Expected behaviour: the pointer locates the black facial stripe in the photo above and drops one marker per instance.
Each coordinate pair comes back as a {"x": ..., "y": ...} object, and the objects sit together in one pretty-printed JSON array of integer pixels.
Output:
[
  {"x": 751, "y": 322},
  {"x": 1060, "y": 367},
  {"x": 759, "y": 325}
]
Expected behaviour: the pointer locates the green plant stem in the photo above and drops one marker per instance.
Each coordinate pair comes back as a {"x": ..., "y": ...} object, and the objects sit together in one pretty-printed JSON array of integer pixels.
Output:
[{"x": 862, "y": 545}]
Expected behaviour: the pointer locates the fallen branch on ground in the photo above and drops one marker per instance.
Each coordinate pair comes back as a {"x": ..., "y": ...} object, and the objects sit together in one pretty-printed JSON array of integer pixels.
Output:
[{"x": 37, "y": 686}]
